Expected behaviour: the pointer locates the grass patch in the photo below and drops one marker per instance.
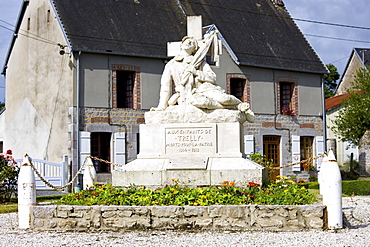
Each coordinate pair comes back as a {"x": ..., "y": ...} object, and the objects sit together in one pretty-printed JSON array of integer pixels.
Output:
[
  {"x": 8, "y": 207},
  {"x": 12, "y": 206}
]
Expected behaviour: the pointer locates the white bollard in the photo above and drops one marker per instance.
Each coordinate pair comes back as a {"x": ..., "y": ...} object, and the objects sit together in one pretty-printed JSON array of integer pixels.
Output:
[
  {"x": 90, "y": 176},
  {"x": 331, "y": 189},
  {"x": 26, "y": 193}
]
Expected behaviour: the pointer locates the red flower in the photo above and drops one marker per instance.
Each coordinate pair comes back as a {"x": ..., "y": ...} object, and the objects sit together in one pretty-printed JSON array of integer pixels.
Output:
[
  {"x": 9, "y": 152},
  {"x": 253, "y": 184},
  {"x": 95, "y": 193}
]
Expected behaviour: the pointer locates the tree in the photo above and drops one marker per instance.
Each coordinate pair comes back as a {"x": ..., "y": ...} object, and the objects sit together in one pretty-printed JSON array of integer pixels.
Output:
[
  {"x": 330, "y": 80},
  {"x": 353, "y": 119}
]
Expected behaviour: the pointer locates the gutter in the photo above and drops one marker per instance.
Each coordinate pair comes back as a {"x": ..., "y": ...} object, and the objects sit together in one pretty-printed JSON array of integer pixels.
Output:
[
  {"x": 323, "y": 111},
  {"x": 78, "y": 144}
]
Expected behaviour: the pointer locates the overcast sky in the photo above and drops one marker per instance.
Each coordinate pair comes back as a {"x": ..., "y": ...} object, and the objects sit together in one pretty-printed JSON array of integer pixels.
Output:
[{"x": 335, "y": 48}]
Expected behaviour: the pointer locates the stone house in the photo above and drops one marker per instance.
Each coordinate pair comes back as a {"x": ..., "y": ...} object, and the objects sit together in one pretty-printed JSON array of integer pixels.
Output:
[
  {"x": 359, "y": 58},
  {"x": 80, "y": 75}
]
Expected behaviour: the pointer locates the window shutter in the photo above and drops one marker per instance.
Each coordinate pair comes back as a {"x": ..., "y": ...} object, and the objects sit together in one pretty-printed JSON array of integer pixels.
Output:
[
  {"x": 84, "y": 146},
  {"x": 120, "y": 148},
  {"x": 319, "y": 143},
  {"x": 248, "y": 144},
  {"x": 296, "y": 153}
]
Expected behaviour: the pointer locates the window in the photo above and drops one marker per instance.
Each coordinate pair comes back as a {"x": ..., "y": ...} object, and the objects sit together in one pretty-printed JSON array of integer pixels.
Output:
[
  {"x": 210, "y": 62},
  {"x": 237, "y": 87},
  {"x": 271, "y": 148},
  {"x": 126, "y": 87},
  {"x": 286, "y": 93},
  {"x": 48, "y": 16},
  {"x": 100, "y": 147},
  {"x": 306, "y": 143}
]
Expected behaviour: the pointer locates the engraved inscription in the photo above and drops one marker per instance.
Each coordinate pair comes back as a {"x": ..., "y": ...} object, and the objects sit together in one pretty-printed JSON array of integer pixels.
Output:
[{"x": 190, "y": 140}]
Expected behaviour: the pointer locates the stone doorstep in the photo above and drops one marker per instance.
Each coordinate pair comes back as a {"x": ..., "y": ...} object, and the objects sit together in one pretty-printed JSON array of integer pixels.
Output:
[{"x": 216, "y": 217}]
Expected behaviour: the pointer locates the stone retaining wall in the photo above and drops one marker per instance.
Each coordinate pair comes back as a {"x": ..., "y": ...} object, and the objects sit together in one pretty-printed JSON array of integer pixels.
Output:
[{"x": 222, "y": 217}]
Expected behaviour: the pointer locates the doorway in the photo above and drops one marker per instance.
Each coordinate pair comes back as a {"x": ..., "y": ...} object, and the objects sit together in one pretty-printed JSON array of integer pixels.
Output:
[
  {"x": 271, "y": 148},
  {"x": 100, "y": 148}
]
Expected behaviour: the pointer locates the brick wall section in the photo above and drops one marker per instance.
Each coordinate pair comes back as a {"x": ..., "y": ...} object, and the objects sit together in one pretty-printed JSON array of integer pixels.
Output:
[
  {"x": 307, "y": 125},
  {"x": 284, "y": 126},
  {"x": 221, "y": 217},
  {"x": 126, "y": 120}
]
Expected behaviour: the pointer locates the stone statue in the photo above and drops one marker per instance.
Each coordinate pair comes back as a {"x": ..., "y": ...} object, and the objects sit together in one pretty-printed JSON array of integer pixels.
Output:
[{"x": 194, "y": 80}]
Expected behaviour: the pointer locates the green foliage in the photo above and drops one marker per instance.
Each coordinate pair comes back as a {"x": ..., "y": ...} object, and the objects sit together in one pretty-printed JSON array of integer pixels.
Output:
[
  {"x": 356, "y": 187},
  {"x": 8, "y": 208},
  {"x": 353, "y": 119},
  {"x": 311, "y": 185},
  {"x": 8, "y": 176},
  {"x": 2, "y": 105},
  {"x": 282, "y": 192},
  {"x": 263, "y": 161},
  {"x": 330, "y": 80},
  {"x": 347, "y": 165}
]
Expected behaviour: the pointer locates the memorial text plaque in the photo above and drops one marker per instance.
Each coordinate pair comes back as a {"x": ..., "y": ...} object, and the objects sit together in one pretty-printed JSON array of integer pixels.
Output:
[{"x": 190, "y": 140}]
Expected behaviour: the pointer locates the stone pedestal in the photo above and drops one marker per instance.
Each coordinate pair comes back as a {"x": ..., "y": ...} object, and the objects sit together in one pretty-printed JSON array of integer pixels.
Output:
[{"x": 197, "y": 154}]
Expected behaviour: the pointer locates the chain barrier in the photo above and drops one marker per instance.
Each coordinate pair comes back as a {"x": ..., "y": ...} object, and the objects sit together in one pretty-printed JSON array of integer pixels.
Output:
[
  {"x": 105, "y": 161},
  {"x": 301, "y": 162},
  {"x": 115, "y": 164},
  {"x": 67, "y": 184}
]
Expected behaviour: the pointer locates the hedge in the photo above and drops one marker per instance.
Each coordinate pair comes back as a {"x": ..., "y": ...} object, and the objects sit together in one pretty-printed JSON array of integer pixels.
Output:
[{"x": 349, "y": 188}]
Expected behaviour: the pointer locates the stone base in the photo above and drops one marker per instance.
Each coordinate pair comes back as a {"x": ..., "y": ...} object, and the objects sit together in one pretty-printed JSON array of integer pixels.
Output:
[
  {"x": 197, "y": 154},
  {"x": 154, "y": 173}
]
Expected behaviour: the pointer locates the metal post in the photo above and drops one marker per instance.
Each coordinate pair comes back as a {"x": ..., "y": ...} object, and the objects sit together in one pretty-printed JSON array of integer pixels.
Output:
[
  {"x": 26, "y": 193},
  {"x": 89, "y": 176},
  {"x": 331, "y": 190},
  {"x": 65, "y": 172}
]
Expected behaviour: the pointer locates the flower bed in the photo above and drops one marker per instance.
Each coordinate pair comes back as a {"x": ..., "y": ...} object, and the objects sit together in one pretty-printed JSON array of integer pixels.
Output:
[
  {"x": 223, "y": 207},
  {"x": 281, "y": 192}
]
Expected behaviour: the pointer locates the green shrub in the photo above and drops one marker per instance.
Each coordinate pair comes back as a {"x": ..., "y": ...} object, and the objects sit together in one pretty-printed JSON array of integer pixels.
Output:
[
  {"x": 265, "y": 162},
  {"x": 283, "y": 192},
  {"x": 356, "y": 187},
  {"x": 311, "y": 185},
  {"x": 8, "y": 176}
]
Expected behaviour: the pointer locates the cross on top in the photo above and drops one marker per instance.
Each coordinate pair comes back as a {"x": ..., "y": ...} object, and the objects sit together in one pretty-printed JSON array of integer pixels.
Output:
[{"x": 194, "y": 29}]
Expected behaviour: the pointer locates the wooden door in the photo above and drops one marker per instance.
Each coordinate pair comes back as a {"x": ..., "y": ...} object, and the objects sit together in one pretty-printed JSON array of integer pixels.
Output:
[{"x": 271, "y": 148}]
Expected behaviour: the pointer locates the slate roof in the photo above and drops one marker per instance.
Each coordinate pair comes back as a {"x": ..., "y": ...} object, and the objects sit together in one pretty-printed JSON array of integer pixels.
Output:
[{"x": 259, "y": 33}]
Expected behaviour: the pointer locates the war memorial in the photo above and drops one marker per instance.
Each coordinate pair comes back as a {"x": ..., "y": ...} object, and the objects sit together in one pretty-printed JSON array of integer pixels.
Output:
[{"x": 195, "y": 134}]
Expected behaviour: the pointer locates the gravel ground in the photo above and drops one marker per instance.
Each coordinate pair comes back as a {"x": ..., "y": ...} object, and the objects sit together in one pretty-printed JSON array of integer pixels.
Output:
[{"x": 355, "y": 233}]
